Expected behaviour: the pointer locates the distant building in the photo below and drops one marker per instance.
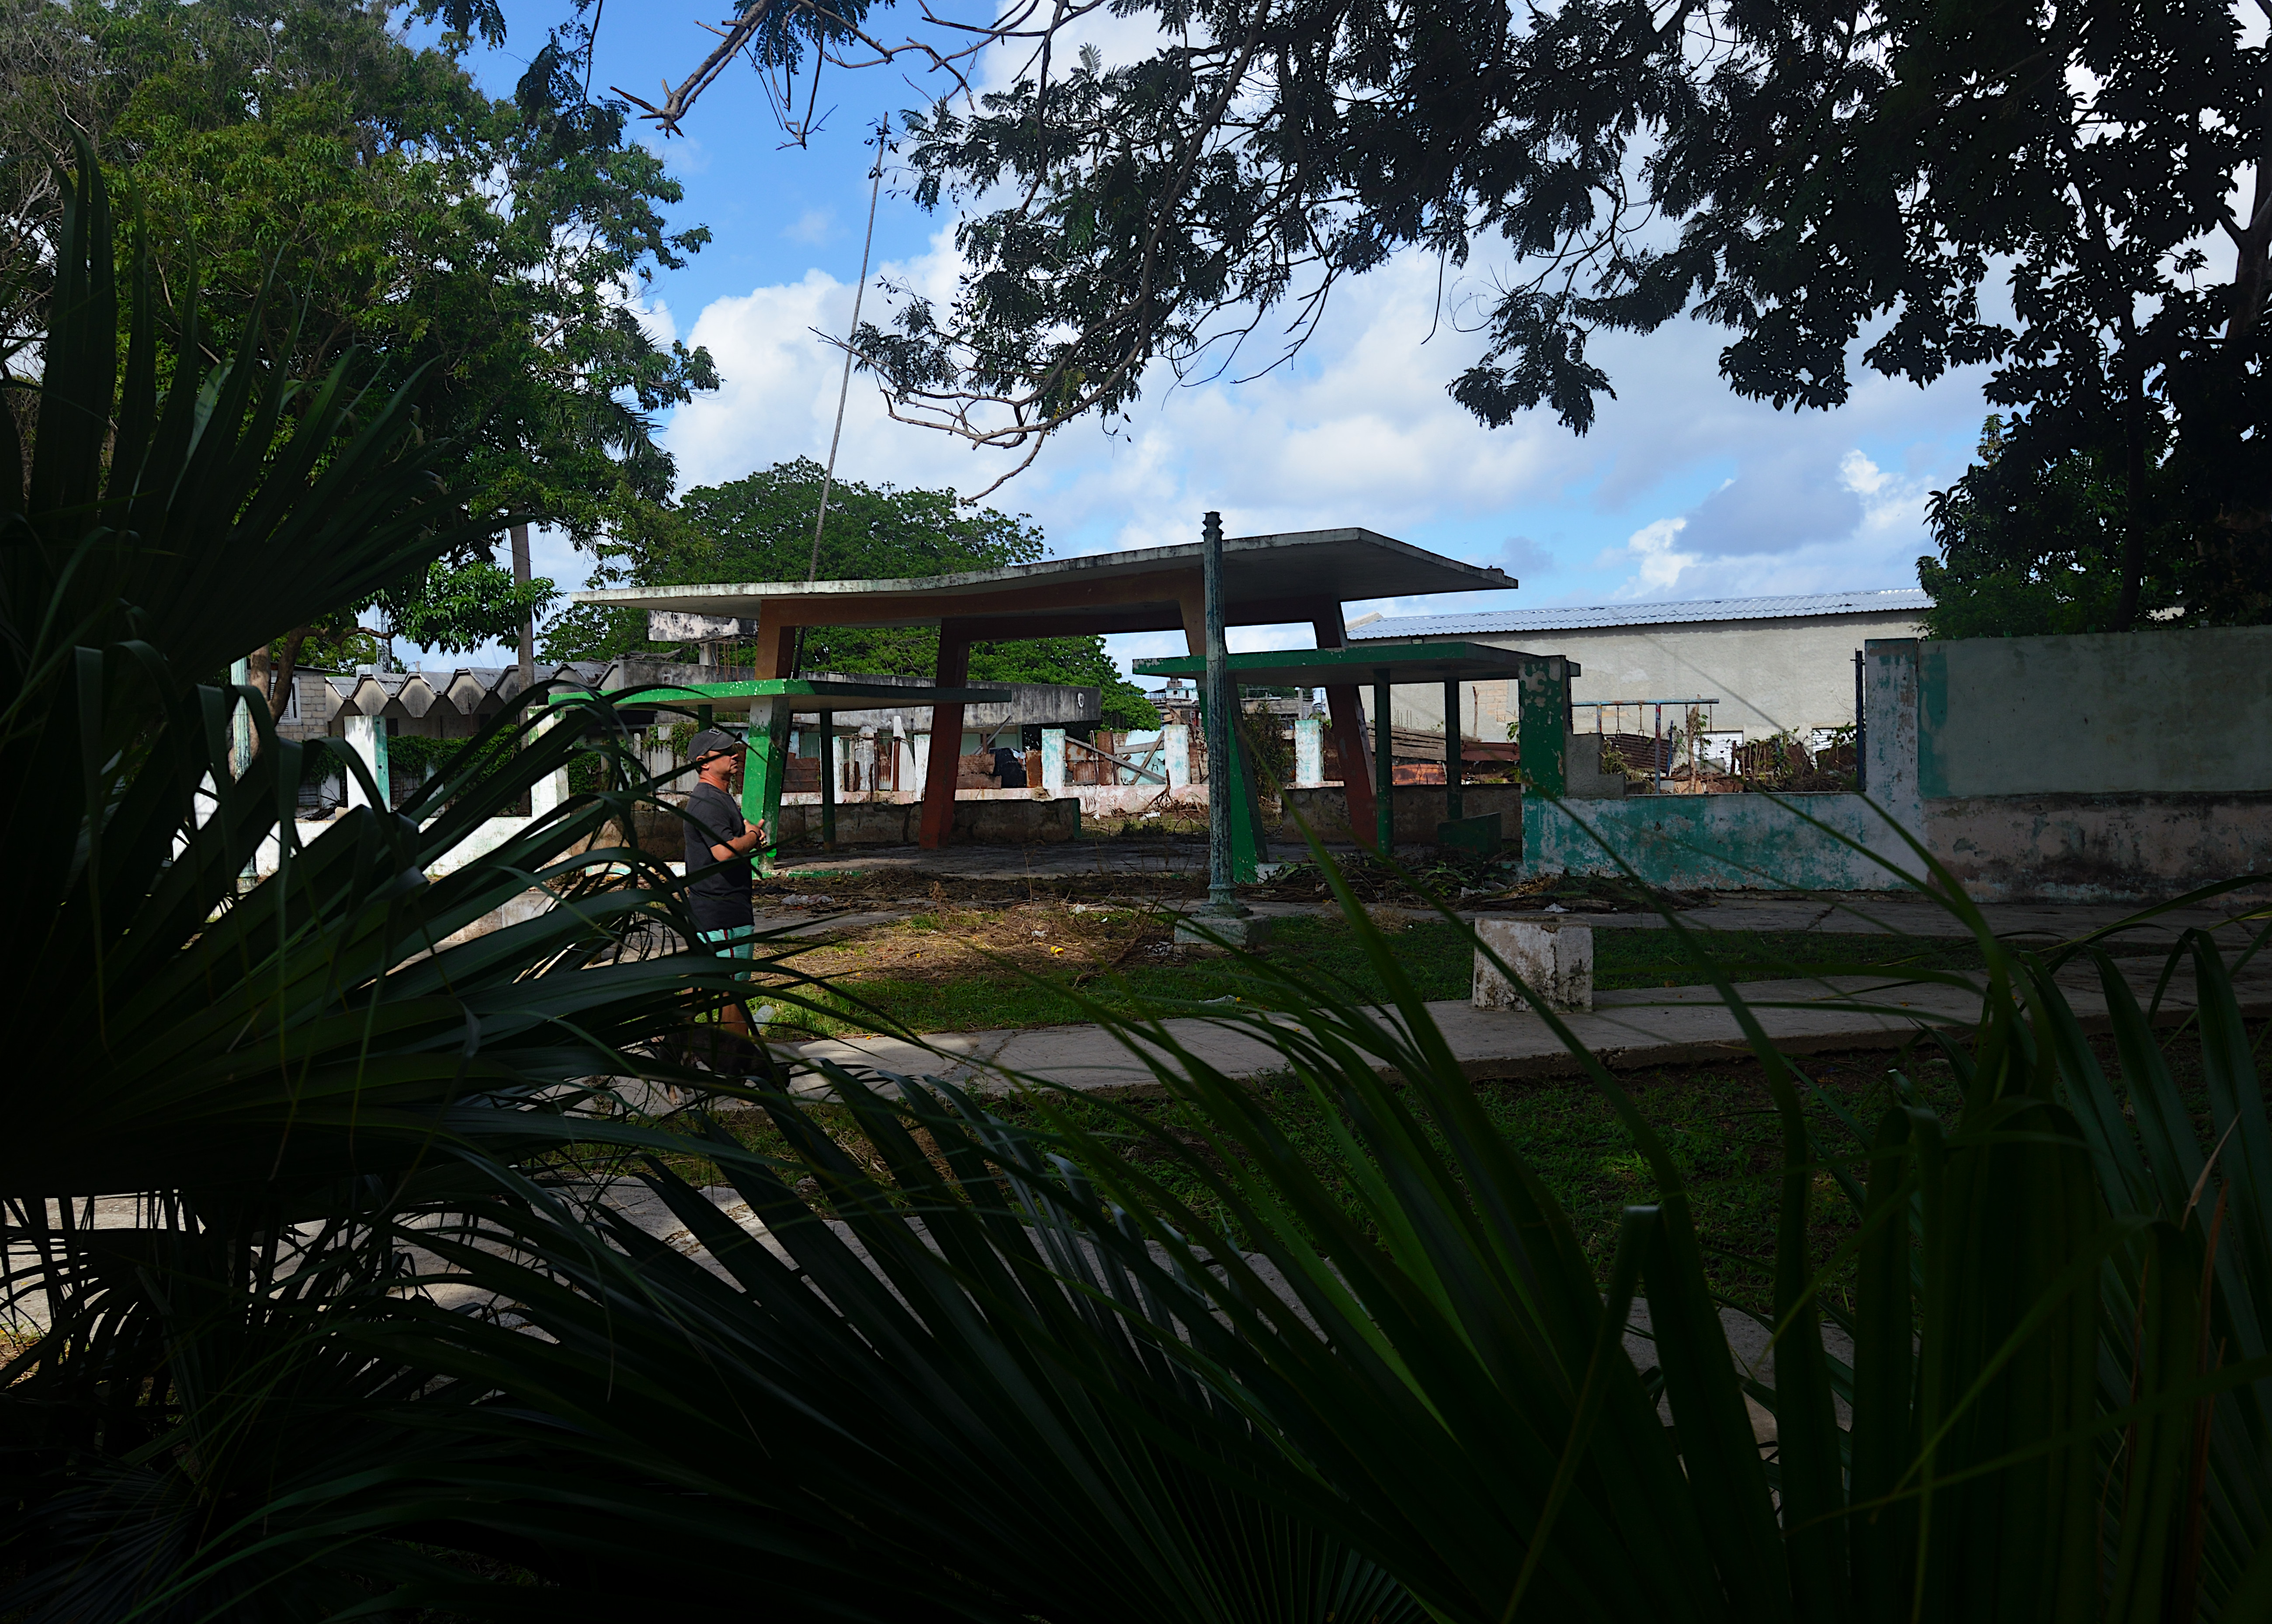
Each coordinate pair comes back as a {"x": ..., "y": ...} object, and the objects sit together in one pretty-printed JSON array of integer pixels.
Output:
[{"x": 1775, "y": 665}]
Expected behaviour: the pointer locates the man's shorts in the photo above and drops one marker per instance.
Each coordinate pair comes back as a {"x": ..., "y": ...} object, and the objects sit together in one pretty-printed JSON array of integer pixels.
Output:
[
  {"x": 725, "y": 928},
  {"x": 734, "y": 941}
]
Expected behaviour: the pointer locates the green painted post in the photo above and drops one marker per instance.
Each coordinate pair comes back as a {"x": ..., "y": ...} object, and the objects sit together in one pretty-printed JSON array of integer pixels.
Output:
[
  {"x": 1235, "y": 780},
  {"x": 704, "y": 717},
  {"x": 1384, "y": 767},
  {"x": 763, "y": 771},
  {"x": 1454, "y": 804},
  {"x": 1544, "y": 711}
]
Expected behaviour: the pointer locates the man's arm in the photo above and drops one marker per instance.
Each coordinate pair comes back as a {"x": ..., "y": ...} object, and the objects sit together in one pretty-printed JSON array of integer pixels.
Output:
[{"x": 741, "y": 846}]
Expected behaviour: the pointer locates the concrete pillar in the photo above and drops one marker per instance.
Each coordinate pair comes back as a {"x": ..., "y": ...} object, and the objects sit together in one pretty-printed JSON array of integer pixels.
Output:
[
  {"x": 864, "y": 761},
  {"x": 1176, "y": 748},
  {"x": 548, "y": 792},
  {"x": 1053, "y": 760},
  {"x": 1889, "y": 708},
  {"x": 1308, "y": 751},
  {"x": 952, "y": 671},
  {"x": 240, "y": 720},
  {"x": 1543, "y": 735},
  {"x": 918, "y": 760},
  {"x": 367, "y": 738}
]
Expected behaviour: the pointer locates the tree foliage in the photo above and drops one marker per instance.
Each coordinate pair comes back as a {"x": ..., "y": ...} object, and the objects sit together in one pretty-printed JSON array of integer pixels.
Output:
[
  {"x": 1897, "y": 185},
  {"x": 485, "y": 245},
  {"x": 2030, "y": 551},
  {"x": 759, "y": 528}
]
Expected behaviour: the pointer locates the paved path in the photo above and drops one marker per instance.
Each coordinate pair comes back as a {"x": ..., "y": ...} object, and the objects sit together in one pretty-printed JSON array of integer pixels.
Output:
[{"x": 1625, "y": 1029}]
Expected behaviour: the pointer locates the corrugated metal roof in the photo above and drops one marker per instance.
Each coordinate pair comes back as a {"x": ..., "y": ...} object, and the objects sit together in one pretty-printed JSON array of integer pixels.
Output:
[{"x": 1896, "y": 600}]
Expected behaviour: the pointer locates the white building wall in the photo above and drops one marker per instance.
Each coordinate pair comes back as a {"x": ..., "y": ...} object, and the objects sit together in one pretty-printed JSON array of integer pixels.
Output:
[{"x": 1794, "y": 673}]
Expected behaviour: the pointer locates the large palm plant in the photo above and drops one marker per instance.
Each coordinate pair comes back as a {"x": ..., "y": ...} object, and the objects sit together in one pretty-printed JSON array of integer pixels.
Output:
[
  {"x": 221, "y": 1092},
  {"x": 1008, "y": 1370}
]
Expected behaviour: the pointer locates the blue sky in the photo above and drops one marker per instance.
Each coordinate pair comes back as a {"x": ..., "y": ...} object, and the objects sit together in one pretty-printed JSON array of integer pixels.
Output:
[{"x": 1682, "y": 490}]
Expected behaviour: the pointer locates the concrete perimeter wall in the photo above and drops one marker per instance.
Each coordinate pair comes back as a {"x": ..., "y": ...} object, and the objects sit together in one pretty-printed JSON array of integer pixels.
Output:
[{"x": 2125, "y": 768}]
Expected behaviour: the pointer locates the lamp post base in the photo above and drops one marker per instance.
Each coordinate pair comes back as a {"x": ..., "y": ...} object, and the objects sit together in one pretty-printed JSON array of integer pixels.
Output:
[{"x": 1204, "y": 929}]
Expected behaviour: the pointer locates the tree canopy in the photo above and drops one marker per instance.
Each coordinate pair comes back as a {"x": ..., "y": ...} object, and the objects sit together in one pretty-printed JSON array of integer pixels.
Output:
[
  {"x": 305, "y": 151},
  {"x": 1900, "y": 186},
  {"x": 759, "y": 528}
]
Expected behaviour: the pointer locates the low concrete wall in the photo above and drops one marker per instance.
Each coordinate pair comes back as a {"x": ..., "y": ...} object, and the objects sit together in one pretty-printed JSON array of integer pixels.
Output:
[
  {"x": 1719, "y": 841},
  {"x": 1096, "y": 800},
  {"x": 1419, "y": 807},
  {"x": 2099, "y": 849},
  {"x": 1010, "y": 818}
]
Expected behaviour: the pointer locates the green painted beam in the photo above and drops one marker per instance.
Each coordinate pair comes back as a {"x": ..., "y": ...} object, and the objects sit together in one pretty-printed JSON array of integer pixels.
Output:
[{"x": 808, "y": 695}]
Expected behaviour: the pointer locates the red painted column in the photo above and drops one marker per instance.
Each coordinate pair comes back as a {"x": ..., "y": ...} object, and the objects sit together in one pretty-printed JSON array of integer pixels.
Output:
[
  {"x": 945, "y": 738},
  {"x": 1348, "y": 714}
]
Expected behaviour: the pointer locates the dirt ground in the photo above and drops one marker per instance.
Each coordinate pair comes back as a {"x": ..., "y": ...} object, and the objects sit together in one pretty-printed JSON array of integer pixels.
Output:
[
  {"x": 1473, "y": 883},
  {"x": 952, "y": 939}
]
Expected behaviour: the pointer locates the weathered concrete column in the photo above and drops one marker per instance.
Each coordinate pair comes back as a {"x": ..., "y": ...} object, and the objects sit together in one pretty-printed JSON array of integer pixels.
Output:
[
  {"x": 240, "y": 720},
  {"x": 367, "y": 738},
  {"x": 918, "y": 760},
  {"x": 1308, "y": 751},
  {"x": 1889, "y": 702},
  {"x": 827, "y": 735},
  {"x": 546, "y": 795},
  {"x": 1053, "y": 759},
  {"x": 1543, "y": 734},
  {"x": 1176, "y": 755}
]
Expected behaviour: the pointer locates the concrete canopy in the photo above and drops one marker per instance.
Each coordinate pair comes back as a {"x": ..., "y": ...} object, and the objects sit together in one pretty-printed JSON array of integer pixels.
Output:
[
  {"x": 1270, "y": 579},
  {"x": 1143, "y": 589}
]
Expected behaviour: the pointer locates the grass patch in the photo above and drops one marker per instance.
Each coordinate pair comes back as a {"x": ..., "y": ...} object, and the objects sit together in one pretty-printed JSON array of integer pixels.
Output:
[
  {"x": 1716, "y": 1120},
  {"x": 961, "y": 970}
]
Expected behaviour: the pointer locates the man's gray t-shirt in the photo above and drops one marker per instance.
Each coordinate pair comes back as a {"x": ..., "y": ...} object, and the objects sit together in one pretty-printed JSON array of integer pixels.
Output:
[{"x": 713, "y": 818}]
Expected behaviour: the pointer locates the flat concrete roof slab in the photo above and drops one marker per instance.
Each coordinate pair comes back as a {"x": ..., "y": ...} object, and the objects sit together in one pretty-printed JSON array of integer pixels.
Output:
[{"x": 1339, "y": 564}]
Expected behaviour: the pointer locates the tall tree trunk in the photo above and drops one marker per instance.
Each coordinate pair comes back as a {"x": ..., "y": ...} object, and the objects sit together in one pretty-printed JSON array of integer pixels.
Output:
[
  {"x": 2134, "y": 503},
  {"x": 277, "y": 684},
  {"x": 2133, "y": 487}
]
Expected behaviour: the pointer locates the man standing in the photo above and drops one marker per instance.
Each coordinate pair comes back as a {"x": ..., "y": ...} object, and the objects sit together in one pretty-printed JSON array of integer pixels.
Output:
[{"x": 719, "y": 843}]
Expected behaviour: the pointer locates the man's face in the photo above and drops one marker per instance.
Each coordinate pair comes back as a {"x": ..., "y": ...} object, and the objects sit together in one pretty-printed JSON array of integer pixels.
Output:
[{"x": 724, "y": 768}]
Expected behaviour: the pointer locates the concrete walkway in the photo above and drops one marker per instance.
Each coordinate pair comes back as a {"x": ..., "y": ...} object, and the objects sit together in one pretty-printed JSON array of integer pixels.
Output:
[{"x": 1626, "y": 1030}]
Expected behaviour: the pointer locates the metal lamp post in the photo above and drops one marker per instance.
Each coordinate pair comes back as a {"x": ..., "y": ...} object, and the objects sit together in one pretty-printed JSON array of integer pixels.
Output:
[{"x": 1228, "y": 918}]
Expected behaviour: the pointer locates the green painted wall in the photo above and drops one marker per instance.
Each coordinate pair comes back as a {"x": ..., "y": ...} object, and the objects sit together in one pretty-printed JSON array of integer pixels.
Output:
[
  {"x": 2147, "y": 713},
  {"x": 1719, "y": 841}
]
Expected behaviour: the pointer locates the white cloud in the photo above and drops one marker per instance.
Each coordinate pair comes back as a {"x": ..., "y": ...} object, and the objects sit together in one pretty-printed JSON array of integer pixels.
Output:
[
  {"x": 1738, "y": 498},
  {"x": 1661, "y": 564},
  {"x": 1860, "y": 475}
]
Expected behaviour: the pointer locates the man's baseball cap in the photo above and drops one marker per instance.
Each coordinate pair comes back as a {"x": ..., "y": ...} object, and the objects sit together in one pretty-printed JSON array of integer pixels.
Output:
[{"x": 710, "y": 741}]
